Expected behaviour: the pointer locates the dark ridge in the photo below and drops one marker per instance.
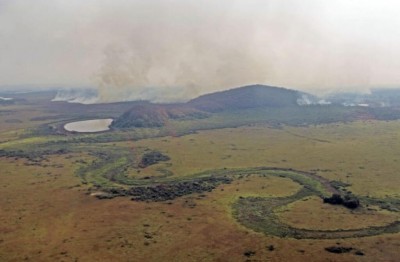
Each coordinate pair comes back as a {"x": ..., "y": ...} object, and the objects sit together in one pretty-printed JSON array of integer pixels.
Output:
[
  {"x": 252, "y": 96},
  {"x": 155, "y": 115}
]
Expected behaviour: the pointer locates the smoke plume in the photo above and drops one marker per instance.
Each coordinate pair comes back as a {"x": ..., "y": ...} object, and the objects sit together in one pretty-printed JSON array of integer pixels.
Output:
[
  {"x": 173, "y": 50},
  {"x": 181, "y": 51}
]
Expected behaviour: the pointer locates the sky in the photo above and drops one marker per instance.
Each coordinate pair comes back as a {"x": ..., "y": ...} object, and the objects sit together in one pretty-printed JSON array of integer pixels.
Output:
[{"x": 166, "y": 50}]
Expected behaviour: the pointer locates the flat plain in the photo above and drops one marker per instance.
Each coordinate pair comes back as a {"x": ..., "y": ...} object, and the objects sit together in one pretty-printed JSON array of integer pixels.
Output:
[{"x": 49, "y": 212}]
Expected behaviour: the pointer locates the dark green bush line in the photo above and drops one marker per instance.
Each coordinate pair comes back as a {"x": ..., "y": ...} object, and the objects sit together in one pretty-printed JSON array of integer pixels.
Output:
[
  {"x": 258, "y": 214},
  {"x": 151, "y": 158},
  {"x": 167, "y": 191}
]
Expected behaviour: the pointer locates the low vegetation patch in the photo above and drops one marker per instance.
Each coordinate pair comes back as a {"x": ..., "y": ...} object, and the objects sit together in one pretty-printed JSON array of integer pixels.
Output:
[
  {"x": 348, "y": 201},
  {"x": 258, "y": 213},
  {"x": 164, "y": 192},
  {"x": 152, "y": 158},
  {"x": 343, "y": 249},
  {"x": 338, "y": 249}
]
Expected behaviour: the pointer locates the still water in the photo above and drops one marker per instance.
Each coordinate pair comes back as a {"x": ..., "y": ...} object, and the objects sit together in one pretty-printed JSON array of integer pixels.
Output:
[{"x": 96, "y": 125}]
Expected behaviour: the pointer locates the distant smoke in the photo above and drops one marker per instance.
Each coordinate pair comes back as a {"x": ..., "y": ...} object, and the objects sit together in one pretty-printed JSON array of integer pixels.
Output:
[
  {"x": 81, "y": 96},
  {"x": 173, "y": 50},
  {"x": 168, "y": 51},
  {"x": 177, "y": 50},
  {"x": 176, "y": 67},
  {"x": 305, "y": 100},
  {"x": 6, "y": 98},
  {"x": 324, "y": 102}
]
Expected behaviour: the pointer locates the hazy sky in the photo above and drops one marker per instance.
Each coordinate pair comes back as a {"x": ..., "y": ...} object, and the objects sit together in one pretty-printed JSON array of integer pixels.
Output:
[{"x": 192, "y": 47}]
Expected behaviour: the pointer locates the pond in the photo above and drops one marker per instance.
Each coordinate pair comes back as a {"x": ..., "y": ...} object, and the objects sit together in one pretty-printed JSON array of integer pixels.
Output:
[{"x": 89, "y": 126}]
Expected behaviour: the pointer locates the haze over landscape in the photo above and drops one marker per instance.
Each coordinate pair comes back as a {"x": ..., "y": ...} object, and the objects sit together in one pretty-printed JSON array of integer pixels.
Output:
[
  {"x": 175, "y": 50},
  {"x": 216, "y": 130}
]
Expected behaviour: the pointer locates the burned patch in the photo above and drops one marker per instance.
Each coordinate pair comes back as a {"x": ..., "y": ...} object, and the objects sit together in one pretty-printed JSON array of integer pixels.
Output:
[
  {"x": 152, "y": 158},
  {"x": 338, "y": 249},
  {"x": 164, "y": 192},
  {"x": 348, "y": 201}
]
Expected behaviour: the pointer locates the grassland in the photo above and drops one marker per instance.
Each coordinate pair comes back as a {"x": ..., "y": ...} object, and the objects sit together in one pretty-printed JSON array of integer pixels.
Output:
[
  {"x": 47, "y": 213},
  {"x": 333, "y": 218}
]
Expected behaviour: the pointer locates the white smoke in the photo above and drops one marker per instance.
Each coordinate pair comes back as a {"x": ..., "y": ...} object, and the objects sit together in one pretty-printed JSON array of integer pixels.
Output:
[
  {"x": 305, "y": 100},
  {"x": 324, "y": 102},
  {"x": 6, "y": 98},
  {"x": 173, "y": 50},
  {"x": 81, "y": 96}
]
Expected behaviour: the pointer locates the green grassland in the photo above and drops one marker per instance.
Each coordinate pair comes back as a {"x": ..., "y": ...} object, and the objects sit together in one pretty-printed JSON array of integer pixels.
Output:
[{"x": 280, "y": 166}]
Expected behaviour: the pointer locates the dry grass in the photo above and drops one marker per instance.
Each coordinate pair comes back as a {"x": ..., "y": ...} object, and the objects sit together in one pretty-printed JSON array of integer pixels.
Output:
[
  {"x": 45, "y": 216},
  {"x": 364, "y": 154},
  {"x": 311, "y": 213}
]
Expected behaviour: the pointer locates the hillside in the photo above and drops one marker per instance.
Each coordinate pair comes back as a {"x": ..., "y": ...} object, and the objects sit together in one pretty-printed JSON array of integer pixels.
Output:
[
  {"x": 247, "y": 97},
  {"x": 252, "y": 96},
  {"x": 152, "y": 115}
]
